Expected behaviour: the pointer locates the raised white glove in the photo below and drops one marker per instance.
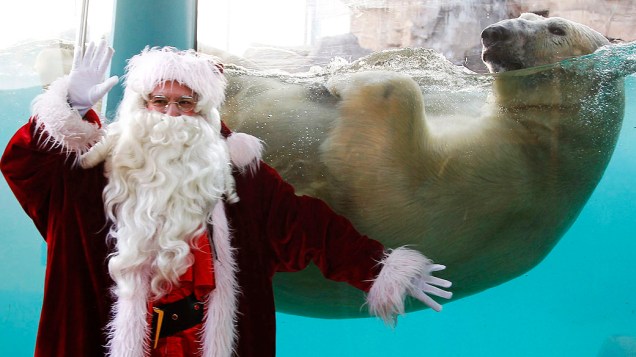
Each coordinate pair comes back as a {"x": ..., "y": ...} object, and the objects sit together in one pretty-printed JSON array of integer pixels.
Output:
[
  {"x": 86, "y": 80},
  {"x": 428, "y": 284}
]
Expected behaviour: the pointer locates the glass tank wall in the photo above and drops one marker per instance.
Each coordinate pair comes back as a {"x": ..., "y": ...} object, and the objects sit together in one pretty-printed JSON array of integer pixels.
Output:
[
  {"x": 561, "y": 285},
  {"x": 35, "y": 48}
]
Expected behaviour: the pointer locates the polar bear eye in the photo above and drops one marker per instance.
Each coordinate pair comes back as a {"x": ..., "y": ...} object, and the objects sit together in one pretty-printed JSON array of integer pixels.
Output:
[{"x": 556, "y": 30}]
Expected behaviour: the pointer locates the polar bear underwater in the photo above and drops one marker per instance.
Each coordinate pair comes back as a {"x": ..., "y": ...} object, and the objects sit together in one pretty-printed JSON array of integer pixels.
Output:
[{"x": 486, "y": 182}]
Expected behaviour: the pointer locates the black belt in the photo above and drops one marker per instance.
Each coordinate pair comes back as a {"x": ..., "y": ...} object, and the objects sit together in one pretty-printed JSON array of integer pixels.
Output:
[{"x": 176, "y": 316}]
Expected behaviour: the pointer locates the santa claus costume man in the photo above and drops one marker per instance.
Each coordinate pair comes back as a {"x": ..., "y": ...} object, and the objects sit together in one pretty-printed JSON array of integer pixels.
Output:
[{"x": 165, "y": 229}]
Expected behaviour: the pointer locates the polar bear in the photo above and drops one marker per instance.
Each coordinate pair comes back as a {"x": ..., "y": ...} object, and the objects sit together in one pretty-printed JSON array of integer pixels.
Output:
[{"x": 486, "y": 189}]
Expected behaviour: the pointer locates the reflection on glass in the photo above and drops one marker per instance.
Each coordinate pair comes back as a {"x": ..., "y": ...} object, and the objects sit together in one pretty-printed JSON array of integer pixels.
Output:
[
  {"x": 36, "y": 48},
  {"x": 577, "y": 302},
  {"x": 297, "y": 102},
  {"x": 313, "y": 32}
]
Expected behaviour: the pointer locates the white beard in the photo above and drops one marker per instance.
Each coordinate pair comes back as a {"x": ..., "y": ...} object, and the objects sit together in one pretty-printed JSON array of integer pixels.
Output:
[{"x": 165, "y": 176}]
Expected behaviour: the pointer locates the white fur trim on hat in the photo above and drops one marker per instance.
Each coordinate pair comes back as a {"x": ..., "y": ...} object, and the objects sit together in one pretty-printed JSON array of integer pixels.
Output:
[
  {"x": 400, "y": 269},
  {"x": 63, "y": 125},
  {"x": 199, "y": 72}
]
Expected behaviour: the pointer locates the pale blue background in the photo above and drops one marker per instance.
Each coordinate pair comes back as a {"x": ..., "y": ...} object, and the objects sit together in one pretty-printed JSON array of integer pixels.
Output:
[{"x": 583, "y": 293}]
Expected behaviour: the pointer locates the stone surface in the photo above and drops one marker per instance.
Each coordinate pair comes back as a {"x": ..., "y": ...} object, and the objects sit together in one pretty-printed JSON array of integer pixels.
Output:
[{"x": 453, "y": 27}]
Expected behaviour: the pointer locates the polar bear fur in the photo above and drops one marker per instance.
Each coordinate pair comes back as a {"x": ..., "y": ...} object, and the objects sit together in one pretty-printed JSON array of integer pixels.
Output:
[{"x": 486, "y": 189}]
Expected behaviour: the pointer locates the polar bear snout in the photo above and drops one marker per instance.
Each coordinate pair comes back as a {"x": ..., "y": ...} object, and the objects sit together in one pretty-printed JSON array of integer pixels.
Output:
[
  {"x": 501, "y": 49},
  {"x": 491, "y": 35},
  {"x": 503, "y": 46}
]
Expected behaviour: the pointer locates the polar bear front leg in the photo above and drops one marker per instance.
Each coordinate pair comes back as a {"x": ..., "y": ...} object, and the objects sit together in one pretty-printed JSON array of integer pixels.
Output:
[
  {"x": 377, "y": 146},
  {"x": 381, "y": 120}
]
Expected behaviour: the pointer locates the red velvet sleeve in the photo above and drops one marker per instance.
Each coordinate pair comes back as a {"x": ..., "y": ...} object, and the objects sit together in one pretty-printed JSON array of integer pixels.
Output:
[
  {"x": 66, "y": 206},
  {"x": 304, "y": 229},
  {"x": 32, "y": 168},
  {"x": 26, "y": 167}
]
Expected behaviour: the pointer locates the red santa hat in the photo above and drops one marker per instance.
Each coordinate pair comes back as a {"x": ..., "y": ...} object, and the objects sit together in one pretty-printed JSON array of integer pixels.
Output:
[{"x": 200, "y": 72}]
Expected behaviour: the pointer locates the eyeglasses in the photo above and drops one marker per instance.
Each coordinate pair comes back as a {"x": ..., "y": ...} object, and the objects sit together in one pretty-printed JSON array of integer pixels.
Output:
[{"x": 184, "y": 104}]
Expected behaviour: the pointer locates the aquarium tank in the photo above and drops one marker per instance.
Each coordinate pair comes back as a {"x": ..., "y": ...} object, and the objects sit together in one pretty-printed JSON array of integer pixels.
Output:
[{"x": 578, "y": 298}]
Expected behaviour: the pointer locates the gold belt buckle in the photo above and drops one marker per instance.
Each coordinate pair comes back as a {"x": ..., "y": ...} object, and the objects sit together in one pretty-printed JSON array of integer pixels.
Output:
[{"x": 159, "y": 321}]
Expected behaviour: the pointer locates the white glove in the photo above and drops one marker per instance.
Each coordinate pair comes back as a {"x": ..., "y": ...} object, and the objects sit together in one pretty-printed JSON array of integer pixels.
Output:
[
  {"x": 428, "y": 284},
  {"x": 86, "y": 80}
]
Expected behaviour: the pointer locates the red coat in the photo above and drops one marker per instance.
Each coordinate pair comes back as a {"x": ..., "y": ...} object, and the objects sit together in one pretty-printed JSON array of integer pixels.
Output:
[{"x": 272, "y": 229}]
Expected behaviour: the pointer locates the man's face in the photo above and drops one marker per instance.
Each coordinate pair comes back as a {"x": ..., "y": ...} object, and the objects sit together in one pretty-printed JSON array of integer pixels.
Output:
[{"x": 172, "y": 98}]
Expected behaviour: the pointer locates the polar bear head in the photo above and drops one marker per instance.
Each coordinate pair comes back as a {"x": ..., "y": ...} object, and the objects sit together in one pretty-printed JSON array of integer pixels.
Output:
[{"x": 532, "y": 40}]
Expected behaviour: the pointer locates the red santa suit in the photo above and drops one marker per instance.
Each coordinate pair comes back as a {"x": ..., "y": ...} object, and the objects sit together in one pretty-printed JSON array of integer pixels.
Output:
[{"x": 269, "y": 230}]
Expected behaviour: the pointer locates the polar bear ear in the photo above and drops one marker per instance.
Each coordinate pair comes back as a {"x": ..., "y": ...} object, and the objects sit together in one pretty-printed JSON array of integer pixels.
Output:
[{"x": 530, "y": 16}]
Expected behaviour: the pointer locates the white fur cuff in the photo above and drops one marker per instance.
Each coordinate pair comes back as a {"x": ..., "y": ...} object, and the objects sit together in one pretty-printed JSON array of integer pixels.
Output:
[
  {"x": 400, "y": 268},
  {"x": 65, "y": 127}
]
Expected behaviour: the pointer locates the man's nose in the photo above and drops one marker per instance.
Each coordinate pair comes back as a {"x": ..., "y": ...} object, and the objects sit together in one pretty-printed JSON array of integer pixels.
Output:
[{"x": 173, "y": 110}]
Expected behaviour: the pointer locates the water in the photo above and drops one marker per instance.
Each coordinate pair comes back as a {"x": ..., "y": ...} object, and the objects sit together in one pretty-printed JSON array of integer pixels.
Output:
[
  {"x": 580, "y": 296},
  {"x": 22, "y": 251}
]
